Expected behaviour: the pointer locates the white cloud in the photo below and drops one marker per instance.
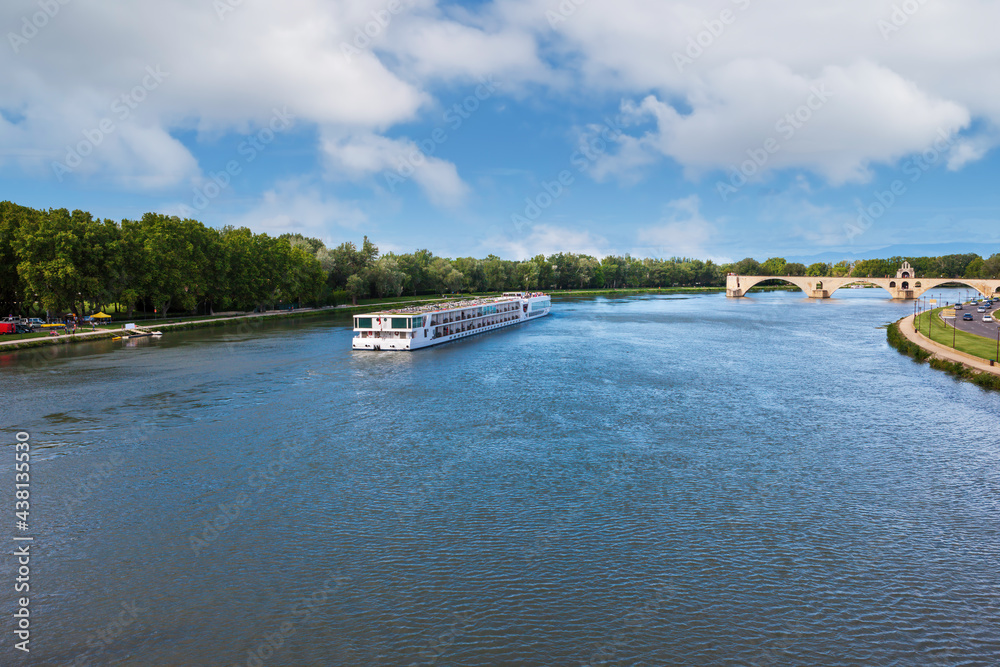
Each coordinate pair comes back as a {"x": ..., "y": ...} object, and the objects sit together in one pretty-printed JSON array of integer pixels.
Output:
[
  {"x": 937, "y": 71},
  {"x": 364, "y": 155},
  {"x": 756, "y": 117},
  {"x": 891, "y": 94},
  {"x": 294, "y": 206},
  {"x": 548, "y": 240},
  {"x": 682, "y": 232},
  {"x": 222, "y": 75}
]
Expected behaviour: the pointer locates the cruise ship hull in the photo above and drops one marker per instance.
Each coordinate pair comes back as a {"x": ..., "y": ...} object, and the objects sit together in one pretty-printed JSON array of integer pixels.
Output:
[{"x": 378, "y": 331}]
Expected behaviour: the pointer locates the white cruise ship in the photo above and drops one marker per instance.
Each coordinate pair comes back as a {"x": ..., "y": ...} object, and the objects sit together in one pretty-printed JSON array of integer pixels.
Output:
[{"x": 423, "y": 326}]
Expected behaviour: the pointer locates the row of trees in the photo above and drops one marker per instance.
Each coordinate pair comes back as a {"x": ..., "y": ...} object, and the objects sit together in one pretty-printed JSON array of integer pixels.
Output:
[
  {"x": 56, "y": 260},
  {"x": 423, "y": 273}
]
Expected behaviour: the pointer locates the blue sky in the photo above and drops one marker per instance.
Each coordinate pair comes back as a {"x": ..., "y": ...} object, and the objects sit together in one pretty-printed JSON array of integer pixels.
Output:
[{"x": 714, "y": 129}]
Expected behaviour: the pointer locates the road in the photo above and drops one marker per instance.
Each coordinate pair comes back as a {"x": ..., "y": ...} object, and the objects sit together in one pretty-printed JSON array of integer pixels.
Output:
[{"x": 976, "y": 326}]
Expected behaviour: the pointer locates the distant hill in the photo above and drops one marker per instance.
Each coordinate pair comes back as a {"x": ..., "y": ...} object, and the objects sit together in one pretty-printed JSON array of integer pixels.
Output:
[{"x": 902, "y": 250}]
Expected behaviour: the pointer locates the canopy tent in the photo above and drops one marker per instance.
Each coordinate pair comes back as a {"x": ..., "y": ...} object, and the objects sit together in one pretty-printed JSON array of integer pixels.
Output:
[{"x": 100, "y": 316}]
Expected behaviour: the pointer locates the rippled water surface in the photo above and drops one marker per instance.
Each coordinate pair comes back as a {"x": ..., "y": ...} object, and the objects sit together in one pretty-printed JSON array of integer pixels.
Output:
[{"x": 639, "y": 481}]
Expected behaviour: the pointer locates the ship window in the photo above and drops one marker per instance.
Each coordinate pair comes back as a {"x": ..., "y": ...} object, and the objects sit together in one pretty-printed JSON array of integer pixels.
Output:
[
  {"x": 364, "y": 323},
  {"x": 399, "y": 323},
  {"x": 417, "y": 322}
]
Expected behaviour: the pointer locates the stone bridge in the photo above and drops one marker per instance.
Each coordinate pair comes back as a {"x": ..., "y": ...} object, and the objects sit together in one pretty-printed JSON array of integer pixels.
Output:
[{"x": 903, "y": 286}]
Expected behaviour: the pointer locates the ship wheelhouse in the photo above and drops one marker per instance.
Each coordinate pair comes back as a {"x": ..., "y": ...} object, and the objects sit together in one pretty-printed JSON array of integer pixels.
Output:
[{"x": 421, "y": 326}]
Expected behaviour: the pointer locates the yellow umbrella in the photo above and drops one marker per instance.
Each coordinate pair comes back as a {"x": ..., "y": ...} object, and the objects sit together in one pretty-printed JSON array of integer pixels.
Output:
[{"x": 100, "y": 316}]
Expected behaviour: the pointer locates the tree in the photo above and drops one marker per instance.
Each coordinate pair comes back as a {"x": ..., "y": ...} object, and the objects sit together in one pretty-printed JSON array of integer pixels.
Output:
[
  {"x": 775, "y": 266},
  {"x": 991, "y": 267},
  {"x": 357, "y": 287},
  {"x": 795, "y": 269},
  {"x": 748, "y": 267},
  {"x": 976, "y": 268},
  {"x": 387, "y": 277},
  {"x": 841, "y": 268},
  {"x": 60, "y": 257},
  {"x": 12, "y": 288},
  {"x": 818, "y": 269},
  {"x": 172, "y": 255}
]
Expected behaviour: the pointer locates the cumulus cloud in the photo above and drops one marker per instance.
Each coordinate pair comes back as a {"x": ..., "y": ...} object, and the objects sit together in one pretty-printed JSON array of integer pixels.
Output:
[
  {"x": 295, "y": 206},
  {"x": 893, "y": 91},
  {"x": 548, "y": 240},
  {"x": 755, "y": 117},
  {"x": 355, "y": 72},
  {"x": 392, "y": 162},
  {"x": 682, "y": 232},
  {"x": 225, "y": 72}
]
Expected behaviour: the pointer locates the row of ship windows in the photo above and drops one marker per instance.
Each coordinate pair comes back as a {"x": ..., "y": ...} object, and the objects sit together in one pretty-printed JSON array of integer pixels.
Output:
[{"x": 417, "y": 322}]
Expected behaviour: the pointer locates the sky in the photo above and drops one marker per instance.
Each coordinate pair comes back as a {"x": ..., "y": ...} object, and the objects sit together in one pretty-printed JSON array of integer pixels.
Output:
[{"x": 716, "y": 129}]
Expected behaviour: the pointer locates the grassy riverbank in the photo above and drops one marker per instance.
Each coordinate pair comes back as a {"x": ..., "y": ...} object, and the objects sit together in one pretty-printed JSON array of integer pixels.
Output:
[
  {"x": 897, "y": 340},
  {"x": 104, "y": 332},
  {"x": 939, "y": 332}
]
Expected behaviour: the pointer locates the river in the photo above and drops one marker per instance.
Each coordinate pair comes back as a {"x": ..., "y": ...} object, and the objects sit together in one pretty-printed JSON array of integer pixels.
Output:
[{"x": 648, "y": 480}]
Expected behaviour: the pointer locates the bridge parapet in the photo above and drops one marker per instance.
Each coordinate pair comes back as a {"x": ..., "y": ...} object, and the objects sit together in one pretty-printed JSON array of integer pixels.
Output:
[{"x": 822, "y": 287}]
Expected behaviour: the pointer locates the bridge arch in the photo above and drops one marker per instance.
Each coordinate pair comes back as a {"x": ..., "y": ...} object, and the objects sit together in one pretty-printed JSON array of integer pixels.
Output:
[
  {"x": 861, "y": 281},
  {"x": 980, "y": 288},
  {"x": 803, "y": 283}
]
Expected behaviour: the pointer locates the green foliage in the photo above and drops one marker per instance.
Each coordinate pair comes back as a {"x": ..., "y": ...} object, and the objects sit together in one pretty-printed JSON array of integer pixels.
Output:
[
  {"x": 901, "y": 343},
  {"x": 748, "y": 267},
  {"x": 774, "y": 267},
  {"x": 795, "y": 269},
  {"x": 62, "y": 260}
]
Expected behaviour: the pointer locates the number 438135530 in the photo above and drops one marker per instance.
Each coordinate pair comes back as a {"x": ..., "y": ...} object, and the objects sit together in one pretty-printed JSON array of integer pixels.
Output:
[{"x": 21, "y": 479}]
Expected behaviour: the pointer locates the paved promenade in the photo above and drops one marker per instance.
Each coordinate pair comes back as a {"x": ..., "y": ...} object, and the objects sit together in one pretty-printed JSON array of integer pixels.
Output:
[
  {"x": 942, "y": 352},
  {"x": 146, "y": 324}
]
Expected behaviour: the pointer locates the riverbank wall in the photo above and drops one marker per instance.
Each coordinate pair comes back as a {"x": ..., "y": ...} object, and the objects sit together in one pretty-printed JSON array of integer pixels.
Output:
[{"x": 907, "y": 340}]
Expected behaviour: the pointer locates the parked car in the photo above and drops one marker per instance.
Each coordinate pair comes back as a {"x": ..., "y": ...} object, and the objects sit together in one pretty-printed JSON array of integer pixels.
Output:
[{"x": 967, "y": 316}]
